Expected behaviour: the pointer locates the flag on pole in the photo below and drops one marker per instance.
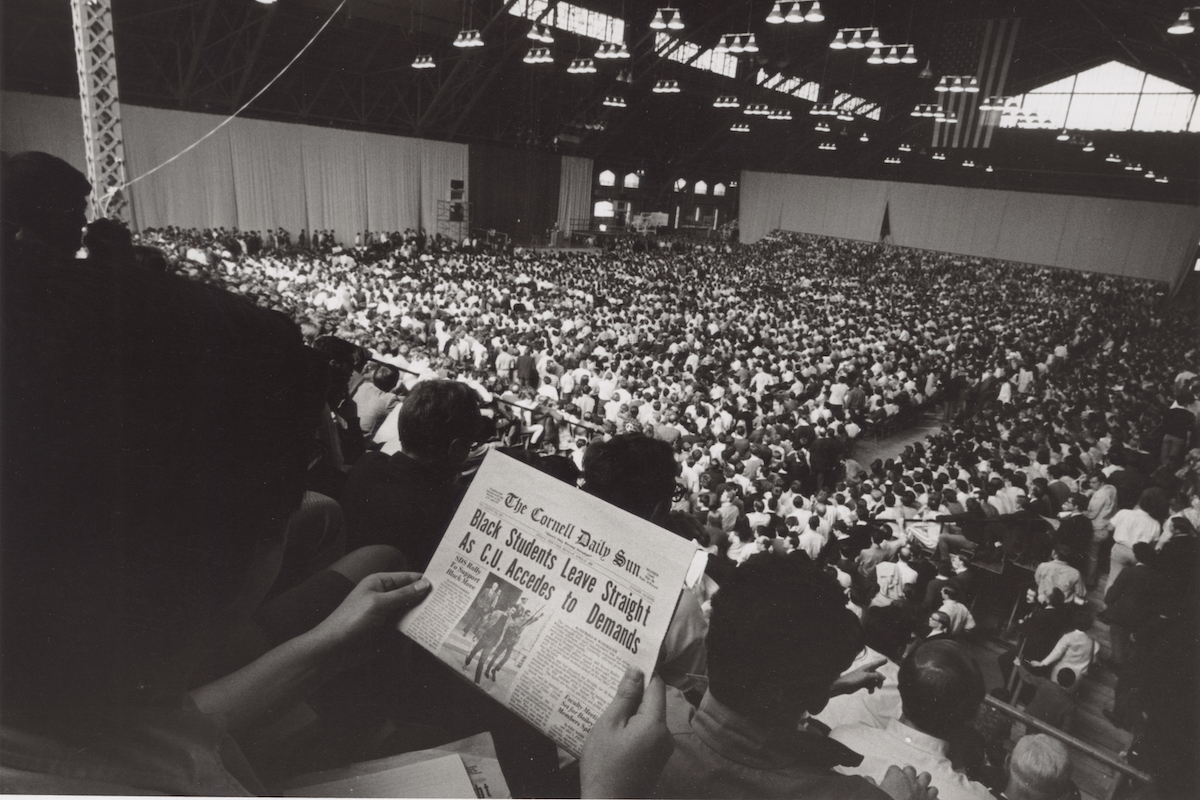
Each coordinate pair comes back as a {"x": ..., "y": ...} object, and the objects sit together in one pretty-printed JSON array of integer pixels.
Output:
[{"x": 982, "y": 49}]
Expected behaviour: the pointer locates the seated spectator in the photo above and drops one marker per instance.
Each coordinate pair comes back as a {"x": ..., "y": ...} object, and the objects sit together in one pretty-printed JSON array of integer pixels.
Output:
[
  {"x": 637, "y": 473},
  {"x": 1058, "y": 574},
  {"x": 941, "y": 688},
  {"x": 764, "y": 678},
  {"x": 375, "y": 399},
  {"x": 1039, "y": 769},
  {"x": 960, "y": 617},
  {"x": 1054, "y": 700},
  {"x": 1074, "y": 650},
  {"x": 44, "y": 205},
  {"x": 406, "y": 499}
]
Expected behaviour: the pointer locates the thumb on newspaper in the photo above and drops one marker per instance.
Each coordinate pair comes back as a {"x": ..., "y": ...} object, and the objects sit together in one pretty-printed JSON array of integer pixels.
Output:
[{"x": 629, "y": 744}]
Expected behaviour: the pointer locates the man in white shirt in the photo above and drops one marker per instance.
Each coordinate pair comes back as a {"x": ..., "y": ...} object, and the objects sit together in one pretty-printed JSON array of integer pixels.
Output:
[
  {"x": 1130, "y": 526},
  {"x": 941, "y": 688}
]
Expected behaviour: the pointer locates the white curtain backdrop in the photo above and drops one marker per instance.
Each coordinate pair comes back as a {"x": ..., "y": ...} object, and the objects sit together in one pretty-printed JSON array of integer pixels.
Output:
[
  {"x": 441, "y": 162},
  {"x": 252, "y": 174},
  {"x": 574, "y": 191},
  {"x": 1116, "y": 237}
]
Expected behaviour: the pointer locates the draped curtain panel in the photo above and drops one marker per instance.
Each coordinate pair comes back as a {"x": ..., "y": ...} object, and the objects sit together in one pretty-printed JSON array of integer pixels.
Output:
[
  {"x": 252, "y": 174},
  {"x": 268, "y": 183},
  {"x": 194, "y": 191},
  {"x": 1133, "y": 238},
  {"x": 574, "y": 191},
  {"x": 514, "y": 191},
  {"x": 441, "y": 162}
]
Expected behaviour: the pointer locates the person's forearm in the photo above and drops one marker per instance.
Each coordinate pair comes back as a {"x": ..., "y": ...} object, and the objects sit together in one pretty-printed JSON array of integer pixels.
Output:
[{"x": 283, "y": 677}]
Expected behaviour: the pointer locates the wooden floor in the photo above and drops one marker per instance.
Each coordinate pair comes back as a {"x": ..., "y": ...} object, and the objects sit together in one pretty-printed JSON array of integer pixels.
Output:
[{"x": 1094, "y": 780}]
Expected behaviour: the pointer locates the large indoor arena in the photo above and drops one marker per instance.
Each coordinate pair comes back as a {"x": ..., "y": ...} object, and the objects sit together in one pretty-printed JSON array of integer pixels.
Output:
[{"x": 530, "y": 398}]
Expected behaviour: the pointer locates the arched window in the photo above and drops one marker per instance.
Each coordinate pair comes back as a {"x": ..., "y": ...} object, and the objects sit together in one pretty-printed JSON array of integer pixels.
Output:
[
  {"x": 701, "y": 187},
  {"x": 719, "y": 190},
  {"x": 607, "y": 178},
  {"x": 632, "y": 181},
  {"x": 604, "y": 208},
  {"x": 680, "y": 185}
]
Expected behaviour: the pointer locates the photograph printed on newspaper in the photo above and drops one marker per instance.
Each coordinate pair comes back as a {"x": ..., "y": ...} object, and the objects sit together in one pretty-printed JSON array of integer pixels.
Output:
[{"x": 543, "y": 595}]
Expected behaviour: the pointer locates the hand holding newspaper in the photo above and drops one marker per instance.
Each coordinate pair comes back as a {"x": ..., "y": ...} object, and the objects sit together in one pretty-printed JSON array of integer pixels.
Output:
[{"x": 543, "y": 594}]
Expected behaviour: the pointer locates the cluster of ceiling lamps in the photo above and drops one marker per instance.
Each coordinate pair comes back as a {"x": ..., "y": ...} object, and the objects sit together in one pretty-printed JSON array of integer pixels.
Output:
[
  {"x": 958, "y": 83},
  {"x": 779, "y": 113},
  {"x": 610, "y": 50},
  {"x": 932, "y": 111},
  {"x": 538, "y": 55},
  {"x": 726, "y": 101},
  {"x": 794, "y": 14},
  {"x": 1182, "y": 25},
  {"x": 939, "y": 156},
  {"x": 665, "y": 18},
  {"x": 827, "y": 146},
  {"x": 423, "y": 62},
  {"x": 582, "y": 66},
  {"x": 757, "y": 109},
  {"x": 1026, "y": 119},
  {"x": 856, "y": 42},
  {"x": 892, "y": 160},
  {"x": 994, "y": 103},
  {"x": 614, "y": 101},
  {"x": 968, "y": 163},
  {"x": 822, "y": 127},
  {"x": 666, "y": 87},
  {"x": 827, "y": 110},
  {"x": 540, "y": 33},
  {"x": 737, "y": 43},
  {"x": 471, "y": 38},
  {"x": 905, "y": 148},
  {"x": 739, "y": 127},
  {"x": 1129, "y": 166},
  {"x": 893, "y": 56}
]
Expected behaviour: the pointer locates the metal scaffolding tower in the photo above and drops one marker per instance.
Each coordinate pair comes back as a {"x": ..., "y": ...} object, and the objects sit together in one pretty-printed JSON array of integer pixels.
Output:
[{"x": 96, "y": 62}]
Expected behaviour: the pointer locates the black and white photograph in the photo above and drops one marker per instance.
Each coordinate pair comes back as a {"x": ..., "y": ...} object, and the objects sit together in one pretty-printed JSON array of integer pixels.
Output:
[{"x": 849, "y": 349}]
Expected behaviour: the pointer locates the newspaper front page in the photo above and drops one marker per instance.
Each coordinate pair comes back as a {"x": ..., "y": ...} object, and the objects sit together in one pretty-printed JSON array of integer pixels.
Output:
[{"x": 543, "y": 595}]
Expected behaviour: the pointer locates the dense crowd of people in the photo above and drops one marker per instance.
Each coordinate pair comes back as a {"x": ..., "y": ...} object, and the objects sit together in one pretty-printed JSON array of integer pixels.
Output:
[{"x": 720, "y": 391}]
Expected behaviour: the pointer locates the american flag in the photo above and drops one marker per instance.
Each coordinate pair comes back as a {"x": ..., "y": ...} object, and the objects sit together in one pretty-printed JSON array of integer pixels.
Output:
[{"x": 982, "y": 49}]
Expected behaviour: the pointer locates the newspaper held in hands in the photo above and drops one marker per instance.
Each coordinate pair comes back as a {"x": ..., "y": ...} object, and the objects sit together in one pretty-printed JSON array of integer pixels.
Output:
[{"x": 543, "y": 595}]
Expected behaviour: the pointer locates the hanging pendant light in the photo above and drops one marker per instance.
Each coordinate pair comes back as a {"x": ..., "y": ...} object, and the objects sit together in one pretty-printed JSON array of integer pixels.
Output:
[
  {"x": 909, "y": 57},
  {"x": 776, "y": 15},
  {"x": 794, "y": 14},
  {"x": 838, "y": 42},
  {"x": 675, "y": 23},
  {"x": 856, "y": 41},
  {"x": 1182, "y": 25},
  {"x": 658, "y": 23},
  {"x": 1089, "y": 147},
  {"x": 893, "y": 56},
  {"x": 957, "y": 86},
  {"x": 751, "y": 45},
  {"x": 735, "y": 45},
  {"x": 943, "y": 85},
  {"x": 973, "y": 85},
  {"x": 874, "y": 41},
  {"x": 875, "y": 57},
  {"x": 814, "y": 14}
]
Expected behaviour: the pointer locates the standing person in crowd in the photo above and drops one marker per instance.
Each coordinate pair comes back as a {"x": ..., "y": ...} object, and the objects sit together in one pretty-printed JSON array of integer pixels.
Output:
[{"x": 1102, "y": 505}]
